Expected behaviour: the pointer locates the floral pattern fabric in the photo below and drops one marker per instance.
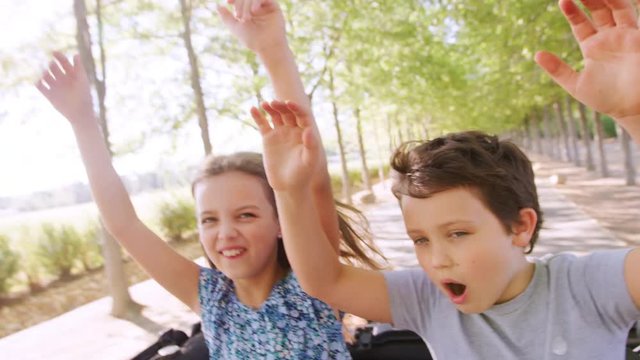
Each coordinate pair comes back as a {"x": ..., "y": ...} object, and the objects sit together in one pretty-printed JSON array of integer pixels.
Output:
[{"x": 289, "y": 325}]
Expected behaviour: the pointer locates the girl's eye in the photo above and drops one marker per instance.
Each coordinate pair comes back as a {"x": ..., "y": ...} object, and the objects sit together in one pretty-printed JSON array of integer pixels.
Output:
[
  {"x": 247, "y": 215},
  {"x": 208, "y": 220}
]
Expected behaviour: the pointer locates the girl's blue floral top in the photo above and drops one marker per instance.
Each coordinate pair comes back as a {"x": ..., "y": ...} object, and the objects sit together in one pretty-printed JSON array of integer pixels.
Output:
[{"x": 289, "y": 325}]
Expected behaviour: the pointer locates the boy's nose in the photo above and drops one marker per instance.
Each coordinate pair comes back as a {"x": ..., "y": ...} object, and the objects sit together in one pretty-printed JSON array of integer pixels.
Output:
[{"x": 440, "y": 257}]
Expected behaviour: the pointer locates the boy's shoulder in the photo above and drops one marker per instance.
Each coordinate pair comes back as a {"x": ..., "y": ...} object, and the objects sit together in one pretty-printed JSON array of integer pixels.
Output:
[{"x": 577, "y": 258}]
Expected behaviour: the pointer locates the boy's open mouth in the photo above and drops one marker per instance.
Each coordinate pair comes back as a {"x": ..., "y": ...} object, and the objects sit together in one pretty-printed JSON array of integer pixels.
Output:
[{"x": 457, "y": 291}]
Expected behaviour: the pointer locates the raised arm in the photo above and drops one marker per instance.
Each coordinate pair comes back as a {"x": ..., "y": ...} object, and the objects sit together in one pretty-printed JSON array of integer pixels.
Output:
[
  {"x": 610, "y": 45},
  {"x": 66, "y": 87},
  {"x": 260, "y": 26},
  {"x": 292, "y": 151},
  {"x": 609, "y": 83}
]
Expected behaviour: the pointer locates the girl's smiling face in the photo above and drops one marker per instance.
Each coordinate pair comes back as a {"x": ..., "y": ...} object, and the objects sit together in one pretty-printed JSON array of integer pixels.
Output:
[
  {"x": 237, "y": 224},
  {"x": 466, "y": 251}
]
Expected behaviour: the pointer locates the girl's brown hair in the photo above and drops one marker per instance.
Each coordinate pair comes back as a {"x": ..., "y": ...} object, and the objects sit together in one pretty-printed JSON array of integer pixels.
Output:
[{"x": 356, "y": 243}]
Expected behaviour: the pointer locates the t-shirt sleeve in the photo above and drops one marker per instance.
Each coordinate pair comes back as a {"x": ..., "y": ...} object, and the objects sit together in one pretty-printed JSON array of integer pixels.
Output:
[
  {"x": 410, "y": 295},
  {"x": 209, "y": 282},
  {"x": 603, "y": 293}
]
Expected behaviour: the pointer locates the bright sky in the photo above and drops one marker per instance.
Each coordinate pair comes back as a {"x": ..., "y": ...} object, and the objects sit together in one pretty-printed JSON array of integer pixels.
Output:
[{"x": 37, "y": 148}]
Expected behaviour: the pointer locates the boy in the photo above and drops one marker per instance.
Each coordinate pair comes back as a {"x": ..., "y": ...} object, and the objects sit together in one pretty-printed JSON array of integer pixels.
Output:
[{"x": 470, "y": 205}]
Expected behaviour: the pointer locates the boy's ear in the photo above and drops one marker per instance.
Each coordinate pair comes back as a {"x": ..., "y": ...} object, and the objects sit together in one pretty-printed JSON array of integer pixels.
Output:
[{"x": 524, "y": 228}]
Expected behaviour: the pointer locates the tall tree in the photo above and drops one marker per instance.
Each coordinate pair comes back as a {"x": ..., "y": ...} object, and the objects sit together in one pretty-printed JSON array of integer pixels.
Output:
[
  {"x": 122, "y": 304},
  {"x": 203, "y": 122},
  {"x": 586, "y": 136}
]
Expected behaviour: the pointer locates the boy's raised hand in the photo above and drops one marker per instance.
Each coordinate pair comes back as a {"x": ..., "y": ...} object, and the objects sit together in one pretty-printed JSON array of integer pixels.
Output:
[
  {"x": 258, "y": 24},
  {"x": 66, "y": 87},
  {"x": 610, "y": 44},
  {"x": 292, "y": 149}
]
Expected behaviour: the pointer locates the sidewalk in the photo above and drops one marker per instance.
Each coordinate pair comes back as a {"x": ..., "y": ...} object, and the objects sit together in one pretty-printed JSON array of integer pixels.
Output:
[{"x": 89, "y": 332}]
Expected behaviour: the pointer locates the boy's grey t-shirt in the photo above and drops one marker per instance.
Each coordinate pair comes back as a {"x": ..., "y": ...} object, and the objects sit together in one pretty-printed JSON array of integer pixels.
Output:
[{"x": 574, "y": 308}]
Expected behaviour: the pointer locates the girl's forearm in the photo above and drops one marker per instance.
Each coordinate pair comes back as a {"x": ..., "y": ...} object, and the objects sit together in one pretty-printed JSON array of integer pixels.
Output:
[{"x": 107, "y": 188}]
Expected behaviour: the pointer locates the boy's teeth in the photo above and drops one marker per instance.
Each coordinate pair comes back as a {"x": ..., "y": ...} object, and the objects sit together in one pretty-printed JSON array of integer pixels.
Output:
[{"x": 231, "y": 253}]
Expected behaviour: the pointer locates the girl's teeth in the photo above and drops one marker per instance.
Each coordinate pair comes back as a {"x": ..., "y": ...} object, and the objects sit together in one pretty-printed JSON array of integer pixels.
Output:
[{"x": 231, "y": 253}]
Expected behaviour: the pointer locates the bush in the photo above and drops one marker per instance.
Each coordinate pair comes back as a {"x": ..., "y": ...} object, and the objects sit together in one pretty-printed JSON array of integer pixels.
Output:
[
  {"x": 90, "y": 250},
  {"x": 8, "y": 264},
  {"x": 177, "y": 218},
  {"x": 59, "y": 249}
]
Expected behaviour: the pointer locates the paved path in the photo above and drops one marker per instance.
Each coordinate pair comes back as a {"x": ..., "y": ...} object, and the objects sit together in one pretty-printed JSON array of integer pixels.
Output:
[{"x": 89, "y": 332}]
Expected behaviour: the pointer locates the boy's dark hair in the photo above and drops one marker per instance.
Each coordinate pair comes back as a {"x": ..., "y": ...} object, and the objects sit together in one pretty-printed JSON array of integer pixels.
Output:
[
  {"x": 356, "y": 245},
  {"x": 498, "y": 170}
]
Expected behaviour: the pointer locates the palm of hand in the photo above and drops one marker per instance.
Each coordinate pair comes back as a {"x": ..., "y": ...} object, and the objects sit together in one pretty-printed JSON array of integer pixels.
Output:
[
  {"x": 289, "y": 163},
  {"x": 69, "y": 92},
  {"x": 610, "y": 79},
  {"x": 264, "y": 28}
]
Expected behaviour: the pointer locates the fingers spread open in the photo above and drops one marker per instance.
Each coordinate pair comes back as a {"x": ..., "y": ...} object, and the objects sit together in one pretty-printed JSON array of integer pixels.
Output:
[
  {"x": 303, "y": 118},
  {"x": 42, "y": 87},
  {"x": 227, "y": 17},
  {"x": 600, "y": 13},
  {"x": 260, "y": 120},
  {"x": 276, "y": 118},
  {"x": 559, "y": 71},
  {"x": 48, "y": 78},
  {"x": 64, "y": 62},
  {"x": 288, "y": 117},
  {"x": 55, "y": 70},
  {"x": 623, "y": 12},
  {"x": 580, "y": 24}
]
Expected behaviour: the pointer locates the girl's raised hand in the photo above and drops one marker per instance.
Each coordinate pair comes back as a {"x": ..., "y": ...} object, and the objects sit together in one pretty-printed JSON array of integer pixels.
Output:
[
  {"x": 258, "y": 24},
  {"x": 610, "y": 44},
  {"x": 292, "y": 149},
  {"x": 66, "y": 87}
]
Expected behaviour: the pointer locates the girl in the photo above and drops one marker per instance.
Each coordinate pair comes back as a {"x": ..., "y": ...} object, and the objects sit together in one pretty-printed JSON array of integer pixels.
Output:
[
  {"x": 470, "y": 205},
  {"x": 250, "y": 302}
]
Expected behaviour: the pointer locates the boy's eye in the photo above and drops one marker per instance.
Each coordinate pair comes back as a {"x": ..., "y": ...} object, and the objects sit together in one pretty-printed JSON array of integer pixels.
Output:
[
  {"x": 458, "y": 234},
  {"x": 420, "y": 241}
]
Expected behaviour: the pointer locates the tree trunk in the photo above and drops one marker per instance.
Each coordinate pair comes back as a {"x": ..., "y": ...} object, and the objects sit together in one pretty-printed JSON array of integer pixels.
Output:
[
  {"x": 381, "y": 161},
  {"x": 604, "y": 168},
  {"x": 586, "y": 136},
  {"x": 122, "y": 304},
  {"x": 563, "y": 132},
  {"x": 366, "y": 179},
  {"x": 392, "y": 145},
  {"x": 346, "y": 186},
  {"x": 629, "y": 165},
  {"x": 535, "y": 131},
  {"x": 573, "y": 137},
  {"x": 548, "y": 135},
  {"x": 203, "y": 122}
]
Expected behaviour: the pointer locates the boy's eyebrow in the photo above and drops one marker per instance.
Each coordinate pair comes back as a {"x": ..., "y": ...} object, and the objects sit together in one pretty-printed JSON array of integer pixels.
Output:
[
  {"x": 440, "y": 227},
  {"x": 455, "y": 222}
]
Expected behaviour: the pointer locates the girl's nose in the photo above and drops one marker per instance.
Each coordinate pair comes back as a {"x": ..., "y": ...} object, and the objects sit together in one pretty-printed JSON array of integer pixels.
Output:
[{"x": 227, "y": 231}]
